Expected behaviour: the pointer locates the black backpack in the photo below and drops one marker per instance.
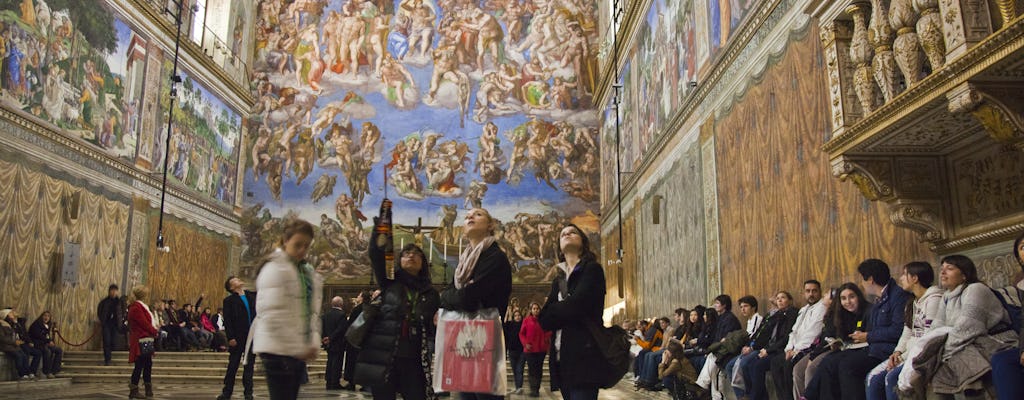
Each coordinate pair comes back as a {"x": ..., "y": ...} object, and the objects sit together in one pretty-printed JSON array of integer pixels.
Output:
[
  {"x": 1011, "y": 298},
  {"x": 613, "y": 342}
]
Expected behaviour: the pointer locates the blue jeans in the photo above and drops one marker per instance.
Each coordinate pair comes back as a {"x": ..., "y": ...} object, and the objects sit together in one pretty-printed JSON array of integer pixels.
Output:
[
  {"x": 579, "y": 393},
  {"x": 1008, "y": 374},
  {"x": 754, "y": 369},
  {"x": 35, "y": 354},
  {"x": 20, "y": 361},
  {"x": 731, "y": 366},
  {"x": 649, "y": 366},
  {"x": 518, "y": 361},
  {"x": 884, "y": 385}
]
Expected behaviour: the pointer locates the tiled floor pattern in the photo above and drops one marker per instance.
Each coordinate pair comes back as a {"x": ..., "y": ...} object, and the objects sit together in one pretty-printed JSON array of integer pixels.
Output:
[{"x": 197, "y": 392}]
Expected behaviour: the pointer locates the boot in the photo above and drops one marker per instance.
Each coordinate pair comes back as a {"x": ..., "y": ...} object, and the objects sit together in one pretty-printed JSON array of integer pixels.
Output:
[
  {"x": 133, "y": 392},
  {"x": 149, "y": 390}
]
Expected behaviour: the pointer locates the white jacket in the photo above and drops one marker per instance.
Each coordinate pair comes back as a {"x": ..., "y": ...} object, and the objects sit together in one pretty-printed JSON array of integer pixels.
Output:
[{"x": 279, "y": 327}]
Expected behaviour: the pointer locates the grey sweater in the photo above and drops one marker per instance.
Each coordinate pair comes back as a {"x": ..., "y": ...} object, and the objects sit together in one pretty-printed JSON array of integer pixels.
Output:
[{"x": 972, "y": 311}]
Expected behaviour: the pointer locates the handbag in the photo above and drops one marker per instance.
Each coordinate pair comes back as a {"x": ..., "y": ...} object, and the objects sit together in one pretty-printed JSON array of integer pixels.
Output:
[
  {"x": 356, "y": 333},
  {"x": 146, "y": 346},
  {"x": 613, "y": 344},
  {"x": 470, "y": 356}
]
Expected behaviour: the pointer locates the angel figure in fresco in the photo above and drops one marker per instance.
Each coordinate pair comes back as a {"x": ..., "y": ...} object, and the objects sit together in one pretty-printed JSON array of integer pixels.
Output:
[
  {"x": 490, "y": 157},
  {"x": 448, "y": 214},
  {"x": 338, "y": 136},
  {"x": 333, "y": 232},
  {"x": 356, "y": 177},
  {"x": 475, "y": 195},
  {"x": 404, "y": 178},
  {"x": 326, "y": 115},
  {"x": 396, "y": 79},
  {"x": 324, "y": 187},
  {"x": 560, "y": 94},
  {"x": 491, "y": 96},
  {"x": 562, "y": 142},
  {"x": 489, "y": 35},
  {"x": 303, "y": 154},
  {"x": 347, "y": 213},
  {"x": 275, "y": 169},
  {"x": 368, "y": 140},
  {"x": 539, "y": 152},
  {"x": 519, "y": 138},
  {"x": 428, "y": 150},
  {"x": 440, "y": 176}
]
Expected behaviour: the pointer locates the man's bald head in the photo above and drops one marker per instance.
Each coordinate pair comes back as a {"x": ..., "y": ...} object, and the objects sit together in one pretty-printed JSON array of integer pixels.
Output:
[{"x": 337, "y": 302}]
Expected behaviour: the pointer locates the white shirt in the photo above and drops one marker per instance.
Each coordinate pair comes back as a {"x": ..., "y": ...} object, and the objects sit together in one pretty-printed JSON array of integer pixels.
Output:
[
  {"x": 808, "y": 326},
  {"x": 220, "y": 321},
  {"x": 753, "y": 323}
]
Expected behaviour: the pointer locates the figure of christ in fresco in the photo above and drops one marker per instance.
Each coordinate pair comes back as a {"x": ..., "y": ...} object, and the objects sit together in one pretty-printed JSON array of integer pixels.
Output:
[
  {"x": 396, "y": 79},
  {"x": 422, "y": 17},
  {"x": 475, "y": 195},
  {"x": 446, "y": 68}
]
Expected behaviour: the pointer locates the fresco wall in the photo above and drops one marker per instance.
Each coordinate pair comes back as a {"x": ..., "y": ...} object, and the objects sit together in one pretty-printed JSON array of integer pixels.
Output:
[
  {"x": 205, "y": 138},
  {"x": 438, "y": 105},
  {"x": 77, "y": 66},
  {"x": 784, "y": 218}
]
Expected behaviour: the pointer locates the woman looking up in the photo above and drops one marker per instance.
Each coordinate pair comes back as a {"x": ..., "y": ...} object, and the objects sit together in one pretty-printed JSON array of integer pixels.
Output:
[
  {"x": 483, "y": 278},
  {"x": 576, "y": 300}
]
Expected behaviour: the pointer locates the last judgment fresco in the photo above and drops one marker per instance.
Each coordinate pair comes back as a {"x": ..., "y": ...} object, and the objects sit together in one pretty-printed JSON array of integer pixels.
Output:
[{"x": 439, "y": 105}]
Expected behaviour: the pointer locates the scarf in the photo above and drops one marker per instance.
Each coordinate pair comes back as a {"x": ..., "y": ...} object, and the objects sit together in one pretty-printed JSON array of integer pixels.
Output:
[{"x": 467, "y": 261}]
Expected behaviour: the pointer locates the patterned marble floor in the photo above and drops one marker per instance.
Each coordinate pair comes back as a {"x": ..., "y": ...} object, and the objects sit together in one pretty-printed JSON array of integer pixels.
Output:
[{"x": 195, "y": 392}]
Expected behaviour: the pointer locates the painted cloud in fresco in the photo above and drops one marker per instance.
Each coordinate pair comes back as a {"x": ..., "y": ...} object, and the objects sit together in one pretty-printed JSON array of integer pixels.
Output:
[{"x": 453, "y": 103}]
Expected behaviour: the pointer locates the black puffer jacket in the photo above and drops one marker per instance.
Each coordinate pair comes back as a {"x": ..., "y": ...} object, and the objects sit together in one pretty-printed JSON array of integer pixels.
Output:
[{"x": 408, "y": 300}]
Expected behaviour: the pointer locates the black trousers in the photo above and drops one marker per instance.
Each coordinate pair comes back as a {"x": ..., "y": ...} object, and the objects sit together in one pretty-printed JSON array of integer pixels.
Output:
[
  {"x": 782, "y": 374},
  {"x": 110, "y": 333},
  {"x": 535, "y": 363},
  {"x": 841, "y": 375},
  {"x": 144, "y": 367},
  {"x": 407, "y": 378},
  {"x": 234, "y": 359},
  {"x": 334, "y": 364},
  {"x": 284, "y": 375},
  {"x": 351, "y": 355}
]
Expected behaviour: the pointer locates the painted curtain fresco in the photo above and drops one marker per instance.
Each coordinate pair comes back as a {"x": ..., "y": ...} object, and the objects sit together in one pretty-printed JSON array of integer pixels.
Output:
[
  {"x": 808, "y": 224},
  {"x": 205, "y": 137},
  {"x": 76, "y": 65},
  {"x": 463, "y": 103}
]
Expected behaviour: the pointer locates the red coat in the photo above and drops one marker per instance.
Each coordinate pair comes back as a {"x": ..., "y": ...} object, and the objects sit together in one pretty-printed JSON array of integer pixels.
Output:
[
  {"x": 535, "y": 339},
  {"x": 140, "y": 325}
]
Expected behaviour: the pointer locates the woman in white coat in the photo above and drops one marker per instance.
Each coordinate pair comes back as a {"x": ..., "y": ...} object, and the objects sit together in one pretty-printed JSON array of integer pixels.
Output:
[{"x": 286, "y": 331}]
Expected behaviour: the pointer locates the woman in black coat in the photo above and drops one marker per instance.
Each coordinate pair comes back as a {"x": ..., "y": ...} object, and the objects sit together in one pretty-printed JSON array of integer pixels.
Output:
[
  {"x": 576, "y": 300},
  {"x": 41, "y": 333},
  {"x": 397, "y": 353}
]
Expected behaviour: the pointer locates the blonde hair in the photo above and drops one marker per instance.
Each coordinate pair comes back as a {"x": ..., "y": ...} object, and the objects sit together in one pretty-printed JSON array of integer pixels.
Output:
[
  {"x": 140, "y": 292},
  {"x": 492, "y": 224}
]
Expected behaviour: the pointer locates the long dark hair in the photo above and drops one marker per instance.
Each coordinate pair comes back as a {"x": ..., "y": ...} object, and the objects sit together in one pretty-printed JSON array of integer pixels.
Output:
[
  {"x": 925, "y": 277},
  {"x": 585, "y": 252},
  {"x": 837, "y": 305},
  {"x": 712, "y": 316},
  {"x": 697, "y": 328},
  {"x": 1016, "y": 250}
]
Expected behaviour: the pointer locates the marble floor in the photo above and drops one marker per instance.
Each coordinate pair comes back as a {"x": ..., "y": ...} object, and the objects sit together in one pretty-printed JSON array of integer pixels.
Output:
[{"x": 196, "y": 392}]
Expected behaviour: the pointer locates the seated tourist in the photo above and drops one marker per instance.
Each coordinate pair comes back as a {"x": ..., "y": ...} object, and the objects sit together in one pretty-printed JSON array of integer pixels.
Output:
[
  {"x": 11, "y": 346},
  {"x": 917, "y": 278},
  {"x": 768, "y": 342},
  {"x": 848, "y": 315},
  {"x": 1008, "y": 365},
  {"x": 976, "y": 326},
  {"x": 41, "y": 334}
]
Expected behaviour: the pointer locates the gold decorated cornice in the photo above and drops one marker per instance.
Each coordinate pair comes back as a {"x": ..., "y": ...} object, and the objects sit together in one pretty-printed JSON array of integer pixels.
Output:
[{"x": 988, "y": 54}]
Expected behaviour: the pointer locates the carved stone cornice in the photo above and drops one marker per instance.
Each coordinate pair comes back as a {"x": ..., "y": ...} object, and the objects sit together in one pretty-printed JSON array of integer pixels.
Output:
[
  {"x": 873, "y": 176},
  {"x": 998, "y": 106},
  {"x": 922, "y": 216},
  {"x": 995, "y": 235}
]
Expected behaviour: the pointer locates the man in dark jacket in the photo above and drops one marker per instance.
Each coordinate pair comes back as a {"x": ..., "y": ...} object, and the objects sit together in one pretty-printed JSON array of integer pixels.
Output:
[
  {"x": 334, "y": 326},
  {"x": 111, "y": 313},
  {"x": 769, "y": 342},
  {"x": 351, "y": 352},
  {"x": 239, "y": 312}
]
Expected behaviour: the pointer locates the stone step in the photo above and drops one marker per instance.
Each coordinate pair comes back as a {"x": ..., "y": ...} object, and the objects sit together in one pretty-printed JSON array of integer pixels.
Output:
[
  {"x": 169, "y": 359},
  {"x": 55, "y": 385},
  {"x": 173, "y": 369}
]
